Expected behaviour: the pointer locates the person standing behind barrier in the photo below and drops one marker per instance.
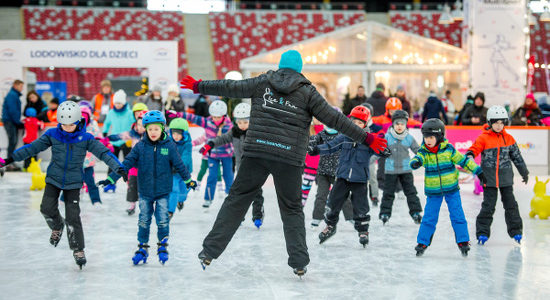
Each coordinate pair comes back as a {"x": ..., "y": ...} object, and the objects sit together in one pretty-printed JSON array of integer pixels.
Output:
[
  {"x": 103, "y": 101},
  {"x": 11, "y": 117},
  {"x": 378, "y": 100},
  {"x": 433, "y": 109},
  {"x": 477, "y": 113},
  {"x": 34, "y": 101}
]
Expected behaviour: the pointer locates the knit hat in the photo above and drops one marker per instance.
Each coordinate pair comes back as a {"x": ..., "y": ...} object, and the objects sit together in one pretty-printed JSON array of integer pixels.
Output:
[
  {"x": 291, "y": 59},
  {"x": 530, "y": 96},
  {"x": 173, "y": 88},
  {"x": 119, "y": 97},
  {"x": 400, "y": 87}
]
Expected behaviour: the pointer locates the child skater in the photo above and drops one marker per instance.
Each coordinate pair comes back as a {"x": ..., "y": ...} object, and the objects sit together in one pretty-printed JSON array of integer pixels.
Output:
[
  {"x": 89, "y": 162},
  {"x": 215, "y": 125},
  {"x": 179, "y": 131},
  {"x": 352, "y": 177},
  {"x": 439, "y": 158},
  {"x": 154, "y": 156},
  {"x": 204, "y": 163},
  {"x": 397, "y": 168},
  {"x": 69, "y": 142},
  {"x": 498, "y": 151},
  {"x": 32, "y": 127},
  {"x": 311, "y": 164},
  {"x": 236, "y": 136}
]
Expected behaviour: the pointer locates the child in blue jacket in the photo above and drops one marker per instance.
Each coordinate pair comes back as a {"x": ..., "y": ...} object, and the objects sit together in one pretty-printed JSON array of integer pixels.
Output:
[
  {"x": 69, "y": 142},
  {"x": 179, "y": 131},
  {"x": 154, "y": 156},
  {"x": 352, "y": 177}
]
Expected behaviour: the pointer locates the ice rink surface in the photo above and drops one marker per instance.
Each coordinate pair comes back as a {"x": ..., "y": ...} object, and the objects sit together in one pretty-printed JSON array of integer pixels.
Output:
[{"x": 255, "y": 263}]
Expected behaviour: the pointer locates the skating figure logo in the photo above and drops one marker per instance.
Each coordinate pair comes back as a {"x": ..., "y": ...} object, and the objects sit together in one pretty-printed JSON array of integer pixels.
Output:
[
  {"x": 268, "y": 97},
  {"x": 498, "y": 59}
]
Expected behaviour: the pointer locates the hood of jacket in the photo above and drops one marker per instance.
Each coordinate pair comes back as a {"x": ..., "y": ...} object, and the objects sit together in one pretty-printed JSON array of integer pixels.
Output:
[
  {"x": 186, "y": 138},
  {"x": 70, "y": 137},
  {"x": 286, "y": 80},
  {"x": 433, "y": 99},
  {"x": 377, "y": 94}
]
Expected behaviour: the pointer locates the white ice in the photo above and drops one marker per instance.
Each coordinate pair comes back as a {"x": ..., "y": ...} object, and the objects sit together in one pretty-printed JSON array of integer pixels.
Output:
[{"x": 254, "y": 264}]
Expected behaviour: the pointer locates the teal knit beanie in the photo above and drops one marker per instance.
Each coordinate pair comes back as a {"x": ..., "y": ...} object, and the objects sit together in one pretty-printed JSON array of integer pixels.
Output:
[{"x": 291, "y": 59}]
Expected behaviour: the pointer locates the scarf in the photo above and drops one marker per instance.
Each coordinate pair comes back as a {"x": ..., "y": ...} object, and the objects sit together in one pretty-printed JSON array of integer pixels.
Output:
[
  {"x": 400, "y": 136},
  {"x": 433, "y": 149},
  {"x": 529, "y": 108}
]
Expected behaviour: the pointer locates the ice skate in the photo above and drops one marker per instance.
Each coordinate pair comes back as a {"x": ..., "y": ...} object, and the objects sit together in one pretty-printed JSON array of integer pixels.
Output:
[
  {"x": 464, "y": 248},
  {"x": 141, "y": 254},
  {"x": 417, "y": 218},
  {"x": 374, "y": 201},
  {"x": 109, "y": 187},
  {"x": 2, "y": 171},
  {"x": 258, "y": 223},
  {"x": 478, "y": 188},
  {"x": 420, "y": 248},
  {"x": 315, "y": 223},
  {"x": 517, "y": 238},
  {"x": 55, "y": 237},
  {"x": 79, "y": 258},
  {"x": 384, "y": 218},
  {"x": 207, "y": 203},
  {"x": 300, "y": 271},
  {"x": 482, "y": 239},
  {"x": 364, "y": 238},
  {"x": 327, "y": 233},
  {"x": 205, "y": 259},
  {"x": 131, "y": 208},
  {"x": 180, "y": 206},
  {"x": 162, "y": 252}
]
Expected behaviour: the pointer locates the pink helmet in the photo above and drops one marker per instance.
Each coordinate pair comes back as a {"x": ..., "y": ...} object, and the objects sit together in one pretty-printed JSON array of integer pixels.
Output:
[{"x": 86, "y": 113}]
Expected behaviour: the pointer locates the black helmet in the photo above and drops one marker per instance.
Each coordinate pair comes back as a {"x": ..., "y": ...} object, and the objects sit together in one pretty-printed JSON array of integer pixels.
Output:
[
  {"x": 399, "y": 115},
  {"x": 434, "y": 127},
  {"x": 369, "y": 106}
]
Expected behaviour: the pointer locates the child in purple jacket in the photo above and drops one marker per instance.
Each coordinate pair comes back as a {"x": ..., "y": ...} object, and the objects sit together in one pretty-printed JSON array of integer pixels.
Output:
[{"x": 215, "y": 125}]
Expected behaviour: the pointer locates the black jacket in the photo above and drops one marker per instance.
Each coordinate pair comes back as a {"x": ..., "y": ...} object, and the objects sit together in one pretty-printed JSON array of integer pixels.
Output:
[
  {"x": 378, "y": 102},
  {"x": 39, "y": 105},
  {"x": 475, "y": 111},
  {"x": 283, "y": 104},
  {"x": 328, "y": 164},
  {"x": 432, "y": 109},
  {"x": 349, "y": 104}
]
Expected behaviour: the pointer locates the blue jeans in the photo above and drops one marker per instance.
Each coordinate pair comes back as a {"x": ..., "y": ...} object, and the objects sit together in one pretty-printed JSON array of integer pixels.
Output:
[
  {"x": 178, "y": 194},
  {"x": 431, "y": 215},
  {"x": 213, "y": 169},
  {"x": 90, "y": 182},
  {"x": 148, "y": 207}
]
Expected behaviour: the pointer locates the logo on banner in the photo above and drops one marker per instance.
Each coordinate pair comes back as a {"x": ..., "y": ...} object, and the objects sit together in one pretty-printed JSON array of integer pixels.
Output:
[
  {"x": 7, "y": 54},
  {"x": 162, "y": 54}
]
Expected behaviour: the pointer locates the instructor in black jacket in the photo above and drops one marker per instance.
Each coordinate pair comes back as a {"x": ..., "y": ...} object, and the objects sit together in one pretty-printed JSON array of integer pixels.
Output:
[{"x": 283, "y": 104}]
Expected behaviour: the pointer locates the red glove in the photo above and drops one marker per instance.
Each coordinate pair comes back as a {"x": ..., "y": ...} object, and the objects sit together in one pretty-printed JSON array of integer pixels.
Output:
[
  {"x": 190, "y": 83},
  {"x": 377, "y": 144},
  {"x": 205, "y": 150}
]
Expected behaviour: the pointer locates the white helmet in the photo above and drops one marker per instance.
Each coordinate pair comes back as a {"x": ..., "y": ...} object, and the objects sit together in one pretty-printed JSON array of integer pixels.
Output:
[
  {"x": 218, "y": 108},
  {"x": 68, "y": 112},
  {"x": 497, "y": 112},
  {"x": 242, "y": 111}
]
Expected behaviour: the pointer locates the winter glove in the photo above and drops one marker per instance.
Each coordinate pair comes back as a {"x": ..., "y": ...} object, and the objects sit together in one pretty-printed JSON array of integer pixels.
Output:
[
  {"x": 207, "y": 148},
  {"x": 415, "y": 164},
  {"x": 106, "y": 143},
  {"x": 525, "y": 178},
  {"x": 123, "y": 173},
  {"x": 482, "y": 178},
  {"x": 20, "y": 126},
  {"x": 190, "y": 83},
  {"x": 106, "y": 182},
  {"x": 376, "y": 143},
  {"x": 5, "y": 162},
  {"x": 385, "y": 153},
  {"x": 470, "y": 154},
  {"x": 191, "y": 184},
  {"x": 312, "y": 150}
]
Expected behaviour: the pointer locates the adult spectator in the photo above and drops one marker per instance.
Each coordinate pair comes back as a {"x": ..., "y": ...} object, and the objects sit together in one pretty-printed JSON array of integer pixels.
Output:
[
  {"x": 359, "y": 99},
  {"x": 11, "y": 116},
  {"x": 434, "y": 109},
  {"x": 103, "y": 101},
  {"x": 448, "y": 105},
  {"x": 529, "y": 114},
  {"x": 201, "y": 106},
  {"x": 378, "y": 100},
  {"x": 34, "y": 101},
  {"x": 174, "y": 101},
  {"x": 154, "y": 101},
  {"x": 469, "y": 102},
  {"x": 50, "y": 113},
  {"x": 477, "y": 113},
  {"x": 401, "y": 94}
]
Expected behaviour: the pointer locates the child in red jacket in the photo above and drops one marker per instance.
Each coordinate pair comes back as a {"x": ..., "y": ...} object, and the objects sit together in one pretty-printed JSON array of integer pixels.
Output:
[
  {"x": 32, "y": 127},
  {"x": 498, "y": 151}
]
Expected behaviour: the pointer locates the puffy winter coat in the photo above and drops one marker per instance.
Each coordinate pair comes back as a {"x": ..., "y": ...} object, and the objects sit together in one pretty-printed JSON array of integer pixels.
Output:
[
  {"x": 520, "y": 117},
  {"x": 155, "y": 161},
  {"x": 236, "y": 137},
  {"x": 65, "y": 170},
  {"x": 118, "y": 122},
  {"x": 32, "y": 127},
  {"x": 11, "y": 108},
  {"x": 185, "y": 149},
  {"x": 353, "y": 165},
  {"x": 399, "y": 160},
  {"x": 39, "y": 106},
  {"x": 212, "y": 131},
  {"x": 498, "y": 152},
  {"x": 283, "y": 103},
  {"x": 477, "y": 112},
  {"x": 328, "y": 164},
  {"x": 154, "y": 104},
  {"x": 378, "y": 102},
  {"x": 433, "y": 108},
  {"x": 441, "y": 176}
]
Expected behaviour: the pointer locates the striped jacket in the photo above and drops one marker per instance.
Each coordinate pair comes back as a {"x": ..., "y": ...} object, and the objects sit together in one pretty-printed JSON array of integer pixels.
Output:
[
  {"x": 212, "y": 131},
  {"x": 441, "y": 176}
]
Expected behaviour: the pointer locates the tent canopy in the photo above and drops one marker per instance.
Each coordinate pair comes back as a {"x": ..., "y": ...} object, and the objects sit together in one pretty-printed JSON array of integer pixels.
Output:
[{"x": 366, "y": 46}]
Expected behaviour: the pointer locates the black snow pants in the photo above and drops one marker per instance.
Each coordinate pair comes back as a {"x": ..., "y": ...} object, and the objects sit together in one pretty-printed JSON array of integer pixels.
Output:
[
  {"x": 390, "y": 184},
  {"x": 359, "y": 201},
  {"x": 511, "y": 211}
]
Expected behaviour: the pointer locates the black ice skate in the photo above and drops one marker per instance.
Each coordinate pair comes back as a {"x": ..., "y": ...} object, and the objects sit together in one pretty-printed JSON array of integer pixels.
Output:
[
  {"x": 417, "y": 218},
  {"x": 205, "y": 259},
  {"x": 364, "y": 238},
  {"x": 131, "y": 208},
  {"x": 327, "y": 233},
  {"x": 420, "y": 248},
  {"x": 55, "y": 237},
  {"x": 2, "y": 172},
  {"x": 79, "y": 258},
  {"x": 300, "y": 271},
  {"x": 180, "y": 206},
  {"x": 374, "y": 201},
  {"x": 464, "y": 248},
  {"x": 384, "y": 218}
]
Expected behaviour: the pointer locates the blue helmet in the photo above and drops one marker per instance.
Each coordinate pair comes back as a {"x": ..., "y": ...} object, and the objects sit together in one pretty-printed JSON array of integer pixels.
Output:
[
  {"x": 30, "y": 112},
  {"x": 154, "y": 116}
]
